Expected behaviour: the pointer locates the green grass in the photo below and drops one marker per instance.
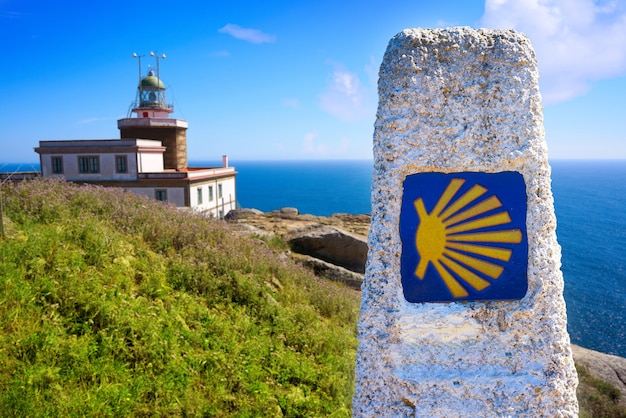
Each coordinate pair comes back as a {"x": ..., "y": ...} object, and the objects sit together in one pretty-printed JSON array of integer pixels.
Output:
[
  {"x": 113, "y": 305},
  {"x": 597, "y": 398}
]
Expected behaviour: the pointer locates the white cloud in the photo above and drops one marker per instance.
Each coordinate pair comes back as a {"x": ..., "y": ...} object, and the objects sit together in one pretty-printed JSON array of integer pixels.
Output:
[
  {"x": 291, "y": 102},
  {"x": 9, "y": 14},
  {"x": 279, "y": 147},
  {"x": 577, "y": 41},
  {"x": 221, "y": 54},
  {"x": 311, "y": 147},
  {"x": 346, "y": 98},
  {"x": 371, "y": 69},
  {"x": 90, "y": 120},
  {"x": 254, "y": 36},
  {"x": 444, "y": 23}
]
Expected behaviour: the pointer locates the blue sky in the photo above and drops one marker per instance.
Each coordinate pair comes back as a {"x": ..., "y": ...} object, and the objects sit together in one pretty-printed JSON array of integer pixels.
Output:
[{"x": 285, "y": 79}]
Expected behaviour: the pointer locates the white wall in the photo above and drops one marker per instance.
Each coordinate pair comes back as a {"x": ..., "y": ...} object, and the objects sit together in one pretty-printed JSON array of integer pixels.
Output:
[
  {"x": 218, "y": 206},
  {"x": 175, "y": 195},
  {"x": 107, "y": 168},
  {"x": 149, "y": 162}
]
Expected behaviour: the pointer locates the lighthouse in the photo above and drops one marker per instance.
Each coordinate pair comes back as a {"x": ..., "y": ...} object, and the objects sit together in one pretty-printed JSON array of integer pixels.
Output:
[
  {"x": 152, "y": 119},
  {"x": 149, "y": 158}
]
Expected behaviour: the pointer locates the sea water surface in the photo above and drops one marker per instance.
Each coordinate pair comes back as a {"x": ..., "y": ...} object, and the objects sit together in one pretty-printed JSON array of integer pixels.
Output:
[{"x": 590, "y": 205}]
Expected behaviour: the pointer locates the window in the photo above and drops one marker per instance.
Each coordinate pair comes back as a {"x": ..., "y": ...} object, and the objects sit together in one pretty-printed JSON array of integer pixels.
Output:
[
  {"x": 89, "y": 164},
  {"x": 199, "y": 195},
  {"x": 161, "y": 195},
  {"x": 121, "y": 165},
  {"x": 210, "y": 193},
  {"x": 219, "y": 191},
  {"x": 57, "y": 165}
]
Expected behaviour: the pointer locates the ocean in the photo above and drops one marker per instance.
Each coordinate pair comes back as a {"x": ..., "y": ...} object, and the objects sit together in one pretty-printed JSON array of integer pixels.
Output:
[{"x": 590, "y": 205}]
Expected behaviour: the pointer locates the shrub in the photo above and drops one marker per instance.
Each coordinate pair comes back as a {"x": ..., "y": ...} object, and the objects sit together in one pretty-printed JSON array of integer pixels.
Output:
[{"x": 596, "y": 397}]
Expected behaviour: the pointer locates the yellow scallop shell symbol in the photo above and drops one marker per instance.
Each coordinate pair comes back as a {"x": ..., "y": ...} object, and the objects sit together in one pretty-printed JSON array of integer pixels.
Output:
[{"x": 449, "y": 238}]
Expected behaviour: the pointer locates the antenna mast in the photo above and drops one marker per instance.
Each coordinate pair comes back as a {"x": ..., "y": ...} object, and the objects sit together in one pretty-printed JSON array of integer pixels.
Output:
[{"x": 160, "y": 92}]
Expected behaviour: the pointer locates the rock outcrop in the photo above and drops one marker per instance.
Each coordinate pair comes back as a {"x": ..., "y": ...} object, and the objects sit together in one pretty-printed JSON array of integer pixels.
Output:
[
  {"x": 607, "y": 367},
  {"x": 237, "y": 214},
  {"x": 334, "y": 247},
  {"x": 330, "y": 244},
  {"x": 332, "y": 271}
]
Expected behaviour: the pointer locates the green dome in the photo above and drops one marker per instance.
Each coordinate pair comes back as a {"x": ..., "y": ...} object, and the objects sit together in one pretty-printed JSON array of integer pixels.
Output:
[{"x": 151, "y": 81}]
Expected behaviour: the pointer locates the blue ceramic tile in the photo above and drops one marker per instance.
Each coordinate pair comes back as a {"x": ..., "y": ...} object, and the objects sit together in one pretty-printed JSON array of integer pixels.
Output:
[{"x": 464, "y": 237}]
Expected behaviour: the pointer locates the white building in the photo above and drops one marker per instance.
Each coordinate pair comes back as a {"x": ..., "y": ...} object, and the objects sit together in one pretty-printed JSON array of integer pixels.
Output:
[{"x": 150, "y": 158}]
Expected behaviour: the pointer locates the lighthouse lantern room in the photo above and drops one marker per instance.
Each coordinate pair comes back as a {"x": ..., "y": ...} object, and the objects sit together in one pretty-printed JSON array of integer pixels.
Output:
[{"x": 150, "y": 101}]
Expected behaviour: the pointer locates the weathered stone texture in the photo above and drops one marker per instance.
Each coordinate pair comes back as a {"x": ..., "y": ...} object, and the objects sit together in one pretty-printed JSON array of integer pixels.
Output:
[
  {"x": 454, "y": 100},
  {"x": 330, "y": 244}
]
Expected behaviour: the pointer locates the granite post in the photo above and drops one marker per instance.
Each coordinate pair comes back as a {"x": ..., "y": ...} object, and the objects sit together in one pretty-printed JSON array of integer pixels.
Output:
[{"x": 462, "y": 310}]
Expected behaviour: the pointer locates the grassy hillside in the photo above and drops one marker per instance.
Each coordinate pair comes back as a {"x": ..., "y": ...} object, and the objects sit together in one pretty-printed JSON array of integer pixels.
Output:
[
  {"x": 116, "y": 305},
  {"x": 113, "y": 305}
]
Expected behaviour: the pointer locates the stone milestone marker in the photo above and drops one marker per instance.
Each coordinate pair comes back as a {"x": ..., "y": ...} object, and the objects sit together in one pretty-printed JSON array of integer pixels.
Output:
[{"x": 462, "y": 309}]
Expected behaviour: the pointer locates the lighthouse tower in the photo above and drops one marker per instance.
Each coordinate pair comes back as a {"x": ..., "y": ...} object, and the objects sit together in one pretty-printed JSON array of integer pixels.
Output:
[{"x": 152, "y": 119}]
